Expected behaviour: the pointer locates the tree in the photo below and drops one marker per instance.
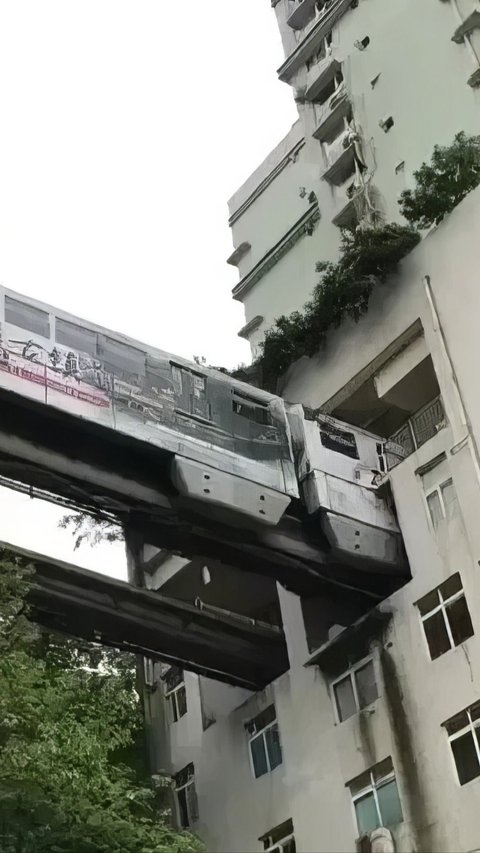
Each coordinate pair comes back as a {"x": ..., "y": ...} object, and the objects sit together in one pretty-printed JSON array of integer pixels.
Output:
[
  {"x": 453, "y": 171},
  {"x": 367, "y": 256},
  {"x": 69, "y": 714},
  {"x": 92, "y": 529}
]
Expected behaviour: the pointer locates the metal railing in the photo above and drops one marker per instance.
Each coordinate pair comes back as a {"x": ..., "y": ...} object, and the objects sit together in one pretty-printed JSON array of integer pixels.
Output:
[{"x": 422, "y": 426}]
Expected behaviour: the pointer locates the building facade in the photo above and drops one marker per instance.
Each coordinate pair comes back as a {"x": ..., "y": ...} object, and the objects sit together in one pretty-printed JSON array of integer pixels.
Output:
[{"x": 372, "y": 735}]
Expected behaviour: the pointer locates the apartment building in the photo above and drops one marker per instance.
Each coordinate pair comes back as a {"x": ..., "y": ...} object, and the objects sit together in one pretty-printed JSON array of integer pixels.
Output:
[
  {"x": 377, "y": 86},
  {"x": 369, "y": 740}
]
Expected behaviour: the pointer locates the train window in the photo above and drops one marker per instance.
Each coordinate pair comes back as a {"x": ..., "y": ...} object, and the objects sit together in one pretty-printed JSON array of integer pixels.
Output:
[
  {"x": 251, "y": 409},
  {"x": 78, "y": 338},
  {"x": 177, "y": 379},
  {"x": 340, "y": 442},
  {"x": 121, "y": 359},
  {"x": 27, "y": 317}
]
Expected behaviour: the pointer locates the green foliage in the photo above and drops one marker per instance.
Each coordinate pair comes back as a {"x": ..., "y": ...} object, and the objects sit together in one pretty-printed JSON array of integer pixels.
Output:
[
  {"x": 454, "y": 170},
  {"x": 67, "y": 712},
  {"x": 366, "y": 257},
  {"x": 86, "y": 528}
]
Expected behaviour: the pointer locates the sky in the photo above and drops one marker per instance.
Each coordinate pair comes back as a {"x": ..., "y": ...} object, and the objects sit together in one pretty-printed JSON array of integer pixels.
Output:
[{"x": 125, "y": 129}]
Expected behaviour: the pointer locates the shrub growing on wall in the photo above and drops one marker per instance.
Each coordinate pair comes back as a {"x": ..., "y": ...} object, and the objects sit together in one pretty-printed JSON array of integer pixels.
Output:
[
  {"x": 366, "y": 258},
  {"x": 453, "y": 171}
]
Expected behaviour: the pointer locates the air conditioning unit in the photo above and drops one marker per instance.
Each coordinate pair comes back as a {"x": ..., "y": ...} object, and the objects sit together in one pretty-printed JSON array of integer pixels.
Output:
[{"x": 377, "y": 841}]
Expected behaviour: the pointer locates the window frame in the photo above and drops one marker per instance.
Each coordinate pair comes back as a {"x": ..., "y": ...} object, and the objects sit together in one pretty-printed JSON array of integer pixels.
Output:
[
  {"x": 280, "y": 845},
  {"x": 350, "y": 672},
  {"x": 11, "y": 303},
  {"x": 261, "y": 733},
  {"x": 190, "y": 783},
  {"x": 372, "y": 788},
  {"x": 172, "y": 700},
  {"x": 442, "y": 606},
  {"x": 470, "y": 727},
  {"x": 438, "y": 490}
]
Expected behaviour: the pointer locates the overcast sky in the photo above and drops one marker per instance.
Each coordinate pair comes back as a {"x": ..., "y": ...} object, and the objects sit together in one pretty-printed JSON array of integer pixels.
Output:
[{"x": 125, "y": 127}]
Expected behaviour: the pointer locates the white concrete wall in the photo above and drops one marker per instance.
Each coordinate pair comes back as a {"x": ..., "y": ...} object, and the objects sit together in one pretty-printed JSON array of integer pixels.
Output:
[{"x": 422, "y": 85}]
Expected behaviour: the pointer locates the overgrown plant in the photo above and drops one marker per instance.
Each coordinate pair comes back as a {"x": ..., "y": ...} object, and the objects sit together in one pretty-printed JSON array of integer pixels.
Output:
[
  {"x": 86, "y": 528},
  {"x": 454, "y": 170},
  {"x": 366, "y": 258},
  {"x": 70, "y": 724}
]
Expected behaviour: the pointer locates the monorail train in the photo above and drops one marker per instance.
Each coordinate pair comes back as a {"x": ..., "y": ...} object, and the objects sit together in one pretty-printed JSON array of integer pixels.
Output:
[
  {"x": 50, "y": 356},
  {"x": 230, "y": 448}
]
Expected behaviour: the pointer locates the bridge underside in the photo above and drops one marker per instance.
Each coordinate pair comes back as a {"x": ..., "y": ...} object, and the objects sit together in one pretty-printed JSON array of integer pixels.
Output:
[
  {"x": 102, "y": 470},
  {"x": 71, "y": 600}
]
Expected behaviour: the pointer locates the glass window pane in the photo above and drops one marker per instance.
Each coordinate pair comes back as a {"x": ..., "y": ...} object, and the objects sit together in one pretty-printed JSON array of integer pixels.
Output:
[
  {"x": 382, "y": 769},
  {"x": 450, "y": 500},
  {"x": 459, "y": 619},
  {"x": 389, "y": 804},
  {"x": 122, "y": 359},
  {"x": 259, "y": 758},
  {"x": 182, "y": 805},
  {"x": 366, "y": 685},
  {"x": 181, "y": 701},
  {"x": 435, "y": 508},
  {"x": 360, "y": 783},
  {"x": 272, "y": 738},
  {"x": 436, "y": 634},
  {"x": 192, "y": 803},
  {"x": 79, "y": 338},
  {"x": 475, "y": 711},
  {"x": 465, "y": 756},
  {"x": 366, "y": 811},
  {"x": 428, "y": 602},
  {"x": 456, "y": 723},
  {"x": 451, "y": 586},
  {"x": 261, "y": 720},
  {"x": 345, "y": 699},
  {"x": 26, "y": 317},
  {"x": 173, "y": 708}
]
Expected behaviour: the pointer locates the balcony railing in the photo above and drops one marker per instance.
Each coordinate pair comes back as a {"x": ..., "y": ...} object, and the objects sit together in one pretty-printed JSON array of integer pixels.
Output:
[
  {"x": 331, "y": 112},
  {"x": 416, "y": 431},
  {"x": 319, "y": 74}
]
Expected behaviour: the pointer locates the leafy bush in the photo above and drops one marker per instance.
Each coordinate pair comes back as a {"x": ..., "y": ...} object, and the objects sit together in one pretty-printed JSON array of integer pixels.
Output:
[
  {"x": 68, "y": 715},
  {"x": 454, "y": 170},
  {"x": 366, "y": 258}
]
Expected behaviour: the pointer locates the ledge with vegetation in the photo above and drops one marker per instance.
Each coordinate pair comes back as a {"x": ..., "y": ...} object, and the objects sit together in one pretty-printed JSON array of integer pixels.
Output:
[{"x": 368, "y": 256}]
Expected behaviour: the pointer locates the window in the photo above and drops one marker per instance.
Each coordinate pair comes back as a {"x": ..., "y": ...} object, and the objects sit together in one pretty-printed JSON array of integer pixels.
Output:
[
  {"x": 375, "y": 798},
  {"x": 445, "y": 616},
  {"x": 251, "y": 409},
  {"x": 355, "y": 690},
  {"x": 186, "y": 796},
  {"x": 280, "y": 839},
  {"x": 125, "y": 361},
  {"x": 27, "y": 317},
  {"x": 264, "y": 742},
  {"x": 361, "y": 44},
  {"x": 175, "y": 693},
  {"x": 462, "y": 730},
  {"x": 442, "y": 502},
  {"x": 149, "y": 672},
  {"x": 339, "y": 441},
  {"x": 79, "y": 338}
]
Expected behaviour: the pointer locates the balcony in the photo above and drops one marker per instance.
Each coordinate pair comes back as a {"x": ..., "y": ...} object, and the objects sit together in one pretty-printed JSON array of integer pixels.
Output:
[
  {"x": 340, "y": 156},
  {"x": 347, "y": 215},
  {"x": 422, "y": 426},
  {"x": 331, "y": 113},
  {"x": 303, "y": 12},
  {"x": 307, "y": 11},
  {"x": 321, "y": 26},
  {"x": 467, "y": 26},
  {"x": 320, "y": 75}
]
